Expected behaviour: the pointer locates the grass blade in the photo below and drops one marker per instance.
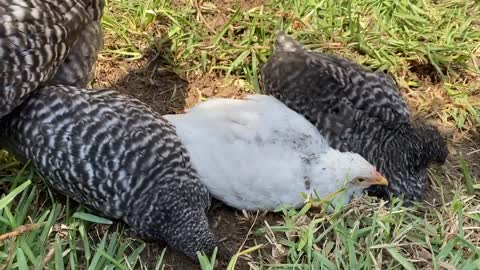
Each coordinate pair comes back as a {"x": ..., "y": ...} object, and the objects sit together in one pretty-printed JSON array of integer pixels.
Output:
[
  {"x": 399, "y": 258},
  {"x": 14, "y": 193},
  {"x": 92, "y": 218}
]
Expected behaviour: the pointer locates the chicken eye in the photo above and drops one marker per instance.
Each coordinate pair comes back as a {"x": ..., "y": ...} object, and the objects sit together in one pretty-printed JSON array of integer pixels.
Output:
[{"x": 360, "y": 179}]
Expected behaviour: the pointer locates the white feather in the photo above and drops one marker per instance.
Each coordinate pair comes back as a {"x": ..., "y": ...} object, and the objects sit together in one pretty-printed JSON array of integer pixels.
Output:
[{"x": 256, "y": 153}]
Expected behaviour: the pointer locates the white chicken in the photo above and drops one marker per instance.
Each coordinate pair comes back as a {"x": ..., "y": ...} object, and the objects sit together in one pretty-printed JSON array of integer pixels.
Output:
[{"x": 257, "y": 154}]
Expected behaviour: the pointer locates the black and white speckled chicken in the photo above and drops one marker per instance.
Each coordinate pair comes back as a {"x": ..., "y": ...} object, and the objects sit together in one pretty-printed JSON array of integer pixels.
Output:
[
  {"x": 116, "y": 155},
  {"x": 356, "y": 110},
  {"x": 42, "y": 40}
]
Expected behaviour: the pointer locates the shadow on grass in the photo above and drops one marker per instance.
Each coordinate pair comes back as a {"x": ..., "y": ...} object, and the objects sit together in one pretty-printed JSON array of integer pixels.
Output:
[{"x": 152, "y": 80}]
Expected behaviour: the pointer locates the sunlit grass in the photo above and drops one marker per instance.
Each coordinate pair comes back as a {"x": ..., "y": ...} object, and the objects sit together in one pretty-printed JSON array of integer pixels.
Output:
[{"x": 435, "y": 42}]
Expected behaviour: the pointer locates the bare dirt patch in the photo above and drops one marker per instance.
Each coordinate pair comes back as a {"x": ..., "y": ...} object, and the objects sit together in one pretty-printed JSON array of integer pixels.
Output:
[
  {"x": 243, "y": 5},
  {"x": 215, "y": 13},
  {"x": 148, "y": 80},
  {"x": 232, "y": 228},
  {"x": 211, "y": 85},
  {"x": 466, "y": 149}
]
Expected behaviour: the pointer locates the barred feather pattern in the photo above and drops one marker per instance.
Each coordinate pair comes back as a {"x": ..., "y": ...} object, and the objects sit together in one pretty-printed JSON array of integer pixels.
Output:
[
  {"x": 78, "y": 68},
  {"x": 116, "y": 155},
  {"x": 357, "y": 110},
  {"x": 35, "y": 38}
]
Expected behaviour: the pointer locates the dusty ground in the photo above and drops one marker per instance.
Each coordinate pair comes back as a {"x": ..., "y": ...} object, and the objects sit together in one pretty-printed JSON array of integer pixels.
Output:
[{"x": 156, "y": 83}]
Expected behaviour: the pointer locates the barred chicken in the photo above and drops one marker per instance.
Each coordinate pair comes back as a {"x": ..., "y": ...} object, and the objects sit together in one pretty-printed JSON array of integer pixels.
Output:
[
  {"x": 356, "y": 110},
  {"x": 45, "y": 40},
  {"x": 117, "y": 156}
]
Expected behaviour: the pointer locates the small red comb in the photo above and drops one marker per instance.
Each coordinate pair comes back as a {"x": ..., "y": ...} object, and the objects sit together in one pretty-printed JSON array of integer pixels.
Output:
[{"x": 377, "y": 174}]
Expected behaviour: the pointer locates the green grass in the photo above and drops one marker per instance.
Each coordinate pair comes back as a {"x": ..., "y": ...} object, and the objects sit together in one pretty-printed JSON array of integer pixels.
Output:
[
  {"x": 409, "y": 39},
  {"x": 429, "y": 48},
  {"x": 365, "y": 237},
  {"x": 57, "y": 236}
]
